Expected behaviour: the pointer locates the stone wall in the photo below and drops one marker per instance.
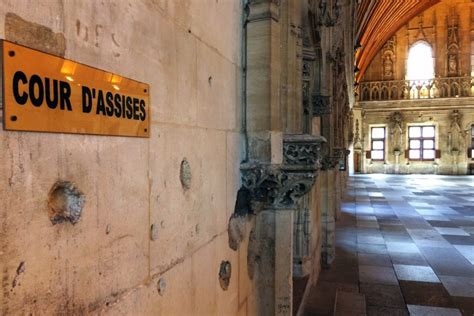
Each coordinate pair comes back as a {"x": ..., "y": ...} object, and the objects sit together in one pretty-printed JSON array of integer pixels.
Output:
[
  {"x": 112, "y": 261},
  {"x": 431, "y": 26},
  {"x": 447, "y": 27},
  {"x": 452, "y": 139}
]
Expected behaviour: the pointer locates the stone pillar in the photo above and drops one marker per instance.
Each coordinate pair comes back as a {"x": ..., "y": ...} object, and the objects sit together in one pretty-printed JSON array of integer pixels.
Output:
[
  {"x": 330, "y": 195},
  {"x": 275, "y": 192},
  {"x": 275, "y": 264},
  {"x": 283, "y": 262},
  {"x": 397, "y": 162},
  {"x": 338, "y": 193},
  {"x": 301, "y": 236},
  {"x": 263, "y": 111},
  {"x": 328, "y": 221}
]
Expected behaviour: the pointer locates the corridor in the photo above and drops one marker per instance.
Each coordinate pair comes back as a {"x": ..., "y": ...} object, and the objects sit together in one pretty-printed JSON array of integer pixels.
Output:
[{"x": 406, "y": 243}]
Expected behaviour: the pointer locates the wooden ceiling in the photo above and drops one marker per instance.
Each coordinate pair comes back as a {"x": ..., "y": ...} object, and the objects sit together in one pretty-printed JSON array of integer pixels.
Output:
[{"x": 377, "y": 21}]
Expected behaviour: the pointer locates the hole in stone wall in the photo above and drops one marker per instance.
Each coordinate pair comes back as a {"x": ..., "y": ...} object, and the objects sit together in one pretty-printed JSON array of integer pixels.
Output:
[
  {"x": 161, "y": 286},
  {"x": 225, "y": 273},
  {"x": 185, "y": 174},
  {"x": 66, "y": 202},
  {"x": 242, "y": 203}
]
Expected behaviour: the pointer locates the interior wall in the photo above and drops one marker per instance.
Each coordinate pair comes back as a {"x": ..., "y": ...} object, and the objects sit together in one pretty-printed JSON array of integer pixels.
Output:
[
  {"x": 452, "y": 142},
  {"x": 190, "y": 54},
  {"x": 433, "y": 24}
]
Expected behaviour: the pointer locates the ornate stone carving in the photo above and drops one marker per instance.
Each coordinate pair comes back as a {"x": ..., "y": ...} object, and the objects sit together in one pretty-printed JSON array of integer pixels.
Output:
[
  {"x": 357, "y": 139},
  {"x": 447, "y": 87},
  {"x": 327, "y": 16},
  {"x": 456, "y": 119},
  {"x": 280, "y": 186},
  {"x": 388, "y": 59},
  {"x": 396, "y": 130},
  {"x": 453, "y": 44},
  {"x": 302, "y": 150},
  {"x": 321, "y": 105},
  {"x": 341, "y": 152},
  {"x": 331, "y": 160},
  {"x": 456, "y": 133},
  {"x": 274, "y": 186},
  {"x": 306, "y": 70},
  {"x": 396, "y": 120}
]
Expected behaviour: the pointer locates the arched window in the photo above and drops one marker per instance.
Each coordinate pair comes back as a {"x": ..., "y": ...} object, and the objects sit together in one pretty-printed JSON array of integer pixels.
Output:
[
  {"x": 420, "y": 70},
  {"x": 420, "y": 65}
]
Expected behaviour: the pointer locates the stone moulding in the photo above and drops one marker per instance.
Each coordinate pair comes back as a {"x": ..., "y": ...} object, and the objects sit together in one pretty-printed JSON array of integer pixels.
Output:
[
  {"x": 321, "y": 105},
  {"x": 280, "y": 186},
  {"x": 263, "y": 10}
]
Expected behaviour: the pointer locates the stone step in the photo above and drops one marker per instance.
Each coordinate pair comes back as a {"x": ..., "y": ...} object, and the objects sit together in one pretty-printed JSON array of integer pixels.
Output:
[{"x": 349, "y": 303}]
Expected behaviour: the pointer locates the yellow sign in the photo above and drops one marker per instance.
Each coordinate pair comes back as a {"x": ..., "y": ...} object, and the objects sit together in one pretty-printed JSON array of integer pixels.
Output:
[{"x": 45, "y": 93}]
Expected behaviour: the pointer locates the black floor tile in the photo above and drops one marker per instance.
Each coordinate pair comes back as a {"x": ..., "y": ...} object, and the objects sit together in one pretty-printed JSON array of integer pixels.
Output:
[
  {"x": 427, "y": 294},
  {"x": 382, "y": 295}
]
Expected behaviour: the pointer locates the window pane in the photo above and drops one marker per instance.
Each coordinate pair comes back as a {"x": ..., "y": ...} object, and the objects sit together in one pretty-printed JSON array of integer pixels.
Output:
[
  {"x": 428, "y": 154},
  {"x": 377, "y": 154},
  {"x": 428, "y": 131},
  {"x": 414, "y": 131},
  {"x": 378, "y": 132},
  {"x": 414, "y": 154},
  {"x": 377, "y": 144},
  {"x": 414, "y": 144},
  {"x": 428, "y": 144}
]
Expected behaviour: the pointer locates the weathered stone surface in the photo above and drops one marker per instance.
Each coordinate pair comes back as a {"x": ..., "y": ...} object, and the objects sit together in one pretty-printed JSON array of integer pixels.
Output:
[
  {"x": 237, "y": 230},
  {"x": 274, "y": 187},
  {"x": 225, "y": 273},
  {"x": 66, "y": 203},
  {"x": 185, "y": 174},
  {"x": 397, "y": 104},
  {"x": 34, "y": 35},
  {"x": 130, "y": 183}
]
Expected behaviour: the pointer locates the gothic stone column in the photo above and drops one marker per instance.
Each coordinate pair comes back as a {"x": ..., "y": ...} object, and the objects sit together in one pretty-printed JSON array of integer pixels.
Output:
[
  {"x": 329, "y": 206},
  {"x": 275, "y": 191},
  {"x": 263, "y": 112}
]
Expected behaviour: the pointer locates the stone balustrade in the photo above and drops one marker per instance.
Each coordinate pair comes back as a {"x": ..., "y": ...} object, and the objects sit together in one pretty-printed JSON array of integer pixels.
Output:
[{"x": 449, "y": 87}]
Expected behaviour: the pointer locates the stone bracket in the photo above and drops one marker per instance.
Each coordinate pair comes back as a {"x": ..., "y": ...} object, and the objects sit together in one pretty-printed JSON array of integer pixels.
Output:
[
  {"x": 280, "y": 186},
  {"x": 302, "y": 150}
]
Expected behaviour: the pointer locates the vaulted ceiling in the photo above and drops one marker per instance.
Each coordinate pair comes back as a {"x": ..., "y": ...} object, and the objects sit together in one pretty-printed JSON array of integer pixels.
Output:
[{"x": 378, "y": 20}]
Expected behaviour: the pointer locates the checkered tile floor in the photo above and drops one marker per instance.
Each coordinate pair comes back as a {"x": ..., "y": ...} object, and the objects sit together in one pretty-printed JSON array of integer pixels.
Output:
[{"x": 407, "y": 243}]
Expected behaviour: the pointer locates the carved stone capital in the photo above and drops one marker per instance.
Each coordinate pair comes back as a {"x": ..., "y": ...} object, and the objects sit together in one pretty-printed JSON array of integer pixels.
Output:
[
  {"x": 331, "y": 160},
  {"x": 320, "y": 105},
  {"x": 303, "y": 150},
  {"x": 274, "y": 186},
  {"x": 341, "y": 152},
  {"x": 280, "y": 186}
]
